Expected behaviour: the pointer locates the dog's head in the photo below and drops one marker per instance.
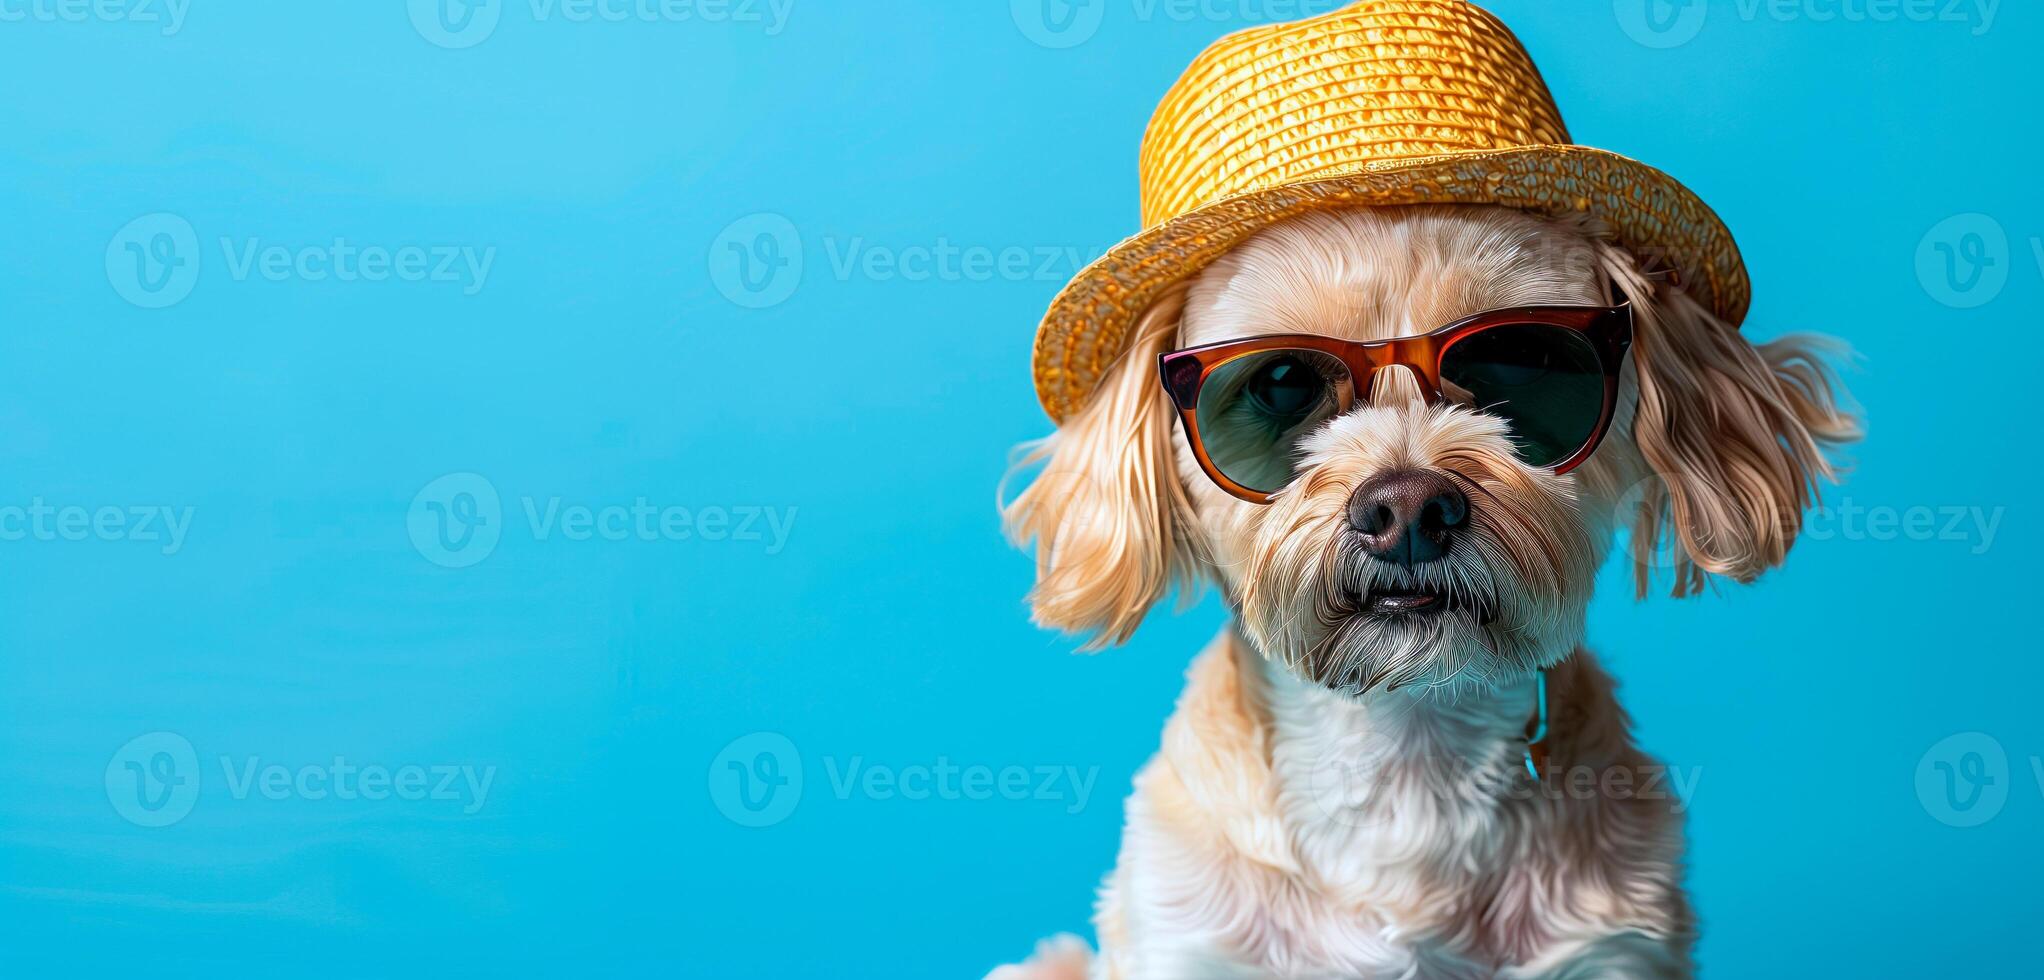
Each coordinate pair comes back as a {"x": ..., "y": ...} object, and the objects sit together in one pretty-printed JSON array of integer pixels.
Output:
[{"x": 1412, "y": 546}]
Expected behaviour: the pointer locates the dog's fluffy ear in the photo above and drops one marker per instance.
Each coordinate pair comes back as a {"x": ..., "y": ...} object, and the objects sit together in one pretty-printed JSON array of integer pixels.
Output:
[
  {"x": 1735, "y": 436},
  {"x": 1108, "y": 518}
]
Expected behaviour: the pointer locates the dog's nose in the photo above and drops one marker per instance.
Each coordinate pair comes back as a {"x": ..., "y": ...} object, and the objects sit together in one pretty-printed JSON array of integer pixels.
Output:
[{"x": 1408, "y": 516}]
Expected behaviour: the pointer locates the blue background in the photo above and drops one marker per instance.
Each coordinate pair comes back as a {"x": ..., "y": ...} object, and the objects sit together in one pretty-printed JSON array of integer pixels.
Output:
[{"x": 602, "y": 362}]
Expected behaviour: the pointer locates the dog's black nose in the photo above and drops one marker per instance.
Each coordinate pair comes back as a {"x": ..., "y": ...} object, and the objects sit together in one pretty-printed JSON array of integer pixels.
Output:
[{"x": 1408, "y": 516}]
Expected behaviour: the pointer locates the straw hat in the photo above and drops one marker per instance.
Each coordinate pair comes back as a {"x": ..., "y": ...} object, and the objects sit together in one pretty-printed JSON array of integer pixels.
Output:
[{"x": 1383, "y": 102}]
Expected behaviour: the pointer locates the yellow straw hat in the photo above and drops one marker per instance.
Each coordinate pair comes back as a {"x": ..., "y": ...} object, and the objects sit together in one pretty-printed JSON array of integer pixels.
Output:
[{"x": 1383, "y": 102}]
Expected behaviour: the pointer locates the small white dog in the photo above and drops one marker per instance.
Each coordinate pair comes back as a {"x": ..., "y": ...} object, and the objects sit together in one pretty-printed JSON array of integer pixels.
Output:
[{"x": 1344, "y": 790}]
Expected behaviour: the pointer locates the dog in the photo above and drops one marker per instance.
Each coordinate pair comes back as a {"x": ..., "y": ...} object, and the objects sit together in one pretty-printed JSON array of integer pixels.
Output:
[{"x": 1375, "y": 770}]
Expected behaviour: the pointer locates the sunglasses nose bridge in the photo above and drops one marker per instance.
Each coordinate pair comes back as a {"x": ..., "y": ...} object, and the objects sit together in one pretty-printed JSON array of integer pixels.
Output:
[{"x": 1390, "y": 386}]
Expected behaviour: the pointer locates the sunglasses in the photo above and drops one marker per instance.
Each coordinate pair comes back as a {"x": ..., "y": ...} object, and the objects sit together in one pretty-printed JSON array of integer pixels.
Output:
[{"x": 1550, "y": 372}]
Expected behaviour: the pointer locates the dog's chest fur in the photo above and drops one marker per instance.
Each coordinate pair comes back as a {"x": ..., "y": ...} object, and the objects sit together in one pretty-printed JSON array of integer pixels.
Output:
[{"x": 1284, "y": 831}]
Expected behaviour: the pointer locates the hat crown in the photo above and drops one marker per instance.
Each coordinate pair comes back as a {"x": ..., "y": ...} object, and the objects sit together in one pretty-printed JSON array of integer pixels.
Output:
[{"x": 1378, "y": 82}]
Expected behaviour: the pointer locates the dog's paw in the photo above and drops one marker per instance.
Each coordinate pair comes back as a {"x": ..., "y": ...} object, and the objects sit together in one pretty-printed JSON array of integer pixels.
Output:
[{"x": 1061, "y": 957}]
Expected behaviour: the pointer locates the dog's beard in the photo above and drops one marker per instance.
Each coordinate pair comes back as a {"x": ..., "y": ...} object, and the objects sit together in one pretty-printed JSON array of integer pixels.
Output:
[{"x": 1360, "y": 650}]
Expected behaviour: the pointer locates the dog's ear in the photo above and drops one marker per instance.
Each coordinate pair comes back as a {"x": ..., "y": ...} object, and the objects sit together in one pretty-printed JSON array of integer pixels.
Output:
[
  {"x": 1735, "y": 436},
  {"x": 1109, "y": 520}
]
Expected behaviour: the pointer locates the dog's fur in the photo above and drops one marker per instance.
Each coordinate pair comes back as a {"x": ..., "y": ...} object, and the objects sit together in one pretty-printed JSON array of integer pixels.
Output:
[{"x": 1344, "y": 796}]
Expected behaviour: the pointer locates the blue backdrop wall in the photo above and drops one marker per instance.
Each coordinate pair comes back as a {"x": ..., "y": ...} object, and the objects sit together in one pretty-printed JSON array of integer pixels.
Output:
[{"x": 508, "y": 487}]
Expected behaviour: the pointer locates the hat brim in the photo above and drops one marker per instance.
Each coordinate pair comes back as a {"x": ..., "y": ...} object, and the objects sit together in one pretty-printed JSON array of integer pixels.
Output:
[{"x": 1088, "y": 325}]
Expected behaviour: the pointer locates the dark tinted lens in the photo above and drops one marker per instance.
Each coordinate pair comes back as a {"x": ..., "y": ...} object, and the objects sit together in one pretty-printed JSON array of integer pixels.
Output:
[
  {"x": 1544, "y": 380},
  {"x": 1253, "y": 410}
]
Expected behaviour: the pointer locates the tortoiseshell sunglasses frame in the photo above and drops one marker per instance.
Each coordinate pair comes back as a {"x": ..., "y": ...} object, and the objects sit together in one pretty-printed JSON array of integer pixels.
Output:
[{"x": 1185, "y": 372}]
